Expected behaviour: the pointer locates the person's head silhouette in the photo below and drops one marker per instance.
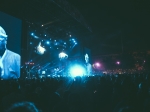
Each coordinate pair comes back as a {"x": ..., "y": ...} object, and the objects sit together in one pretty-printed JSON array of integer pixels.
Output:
[{"x": 23, "y": 107}]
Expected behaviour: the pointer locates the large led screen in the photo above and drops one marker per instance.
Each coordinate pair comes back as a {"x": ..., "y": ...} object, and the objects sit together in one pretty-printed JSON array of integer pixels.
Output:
[{"x": 10, "y": 46}]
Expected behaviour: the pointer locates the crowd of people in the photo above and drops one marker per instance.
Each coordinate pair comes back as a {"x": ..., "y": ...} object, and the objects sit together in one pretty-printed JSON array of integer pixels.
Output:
[{"x": 107, "y": 93}]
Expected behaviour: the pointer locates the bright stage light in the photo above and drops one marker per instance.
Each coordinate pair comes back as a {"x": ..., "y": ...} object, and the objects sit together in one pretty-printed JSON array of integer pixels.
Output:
[
  {"x": 77, "y": 70},
  {"x": 43, "y": 72},
  {"x": 40, "y": 49},
  {"x": 47, "y": 42},
  {"x": 63, "y": 55},
  {"x": 118, "y": 62},
  {"x": 97, "y": 64}
]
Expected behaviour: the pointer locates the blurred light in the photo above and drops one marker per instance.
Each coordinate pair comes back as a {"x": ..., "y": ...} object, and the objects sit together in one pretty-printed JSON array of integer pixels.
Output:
[
  {"x": 40, "y": 49},
  {"x": 64, "y": 42},
  {"x": 45, "y": 35},
  {"x": 47, "y": 42},
  {"x": 70, "y": 35},
  {"x": 42, "y": 25},
  {"x": 77, "y": 70},
  {"x": 36, "y": 37},
  {"x": 54, "y": 40},
  {"x": 86, "y": 58},
  {"x": 42, "y": 40},
  {"x": 118, "y": 62},
  {"x": 43, "y": 72},
  {"x": 57, "y": 48},
  {"x": 97, "y": 64},
  {"x": 32, "y": 34},
  {"x": 63, "y": 55},
  {"x": 30, "y": 42}
]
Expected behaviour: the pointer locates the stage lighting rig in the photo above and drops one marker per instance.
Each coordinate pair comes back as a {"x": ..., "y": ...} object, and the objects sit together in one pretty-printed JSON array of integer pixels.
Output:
[
  {"x": 40, "y": 50},
  {"x": 63, "y": 55}
]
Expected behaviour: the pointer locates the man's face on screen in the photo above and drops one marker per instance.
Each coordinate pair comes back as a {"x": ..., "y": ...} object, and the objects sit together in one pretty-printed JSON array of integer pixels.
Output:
[{"x": 3, "y": 42}]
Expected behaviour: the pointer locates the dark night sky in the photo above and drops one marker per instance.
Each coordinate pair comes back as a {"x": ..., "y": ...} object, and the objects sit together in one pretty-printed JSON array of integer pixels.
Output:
[
  {"x": 114, "y": 23},
  {"x": 112, "y": 20}
]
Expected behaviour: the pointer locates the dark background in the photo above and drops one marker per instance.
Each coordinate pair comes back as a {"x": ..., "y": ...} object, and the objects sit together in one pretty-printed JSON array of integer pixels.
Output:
[{"x": 116, "y": 26}]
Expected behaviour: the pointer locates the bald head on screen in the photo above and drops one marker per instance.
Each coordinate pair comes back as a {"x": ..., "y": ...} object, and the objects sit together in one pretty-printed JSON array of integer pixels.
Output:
[{"x": 9, "y": 60}]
